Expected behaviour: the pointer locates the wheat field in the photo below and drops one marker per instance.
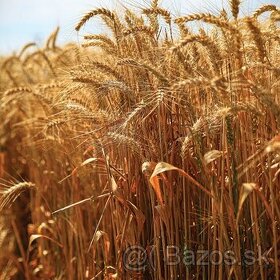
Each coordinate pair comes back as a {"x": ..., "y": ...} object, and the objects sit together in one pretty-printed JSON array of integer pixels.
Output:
[{"x": 159, "y": 137}]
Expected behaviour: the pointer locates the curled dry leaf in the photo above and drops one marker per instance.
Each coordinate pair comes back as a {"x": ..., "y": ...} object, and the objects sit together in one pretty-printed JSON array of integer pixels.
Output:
[
  {"x": 89, "y": 160},
  {"x": 212, "y": 155},
  {"x": 246, "y": 189},
  {"x": 33, "y": 237},
  {"x": 162, "y": 167}
]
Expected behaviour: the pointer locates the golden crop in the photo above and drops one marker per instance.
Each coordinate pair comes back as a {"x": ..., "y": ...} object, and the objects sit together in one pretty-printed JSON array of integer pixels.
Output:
[{"x": 151, "y": 135}]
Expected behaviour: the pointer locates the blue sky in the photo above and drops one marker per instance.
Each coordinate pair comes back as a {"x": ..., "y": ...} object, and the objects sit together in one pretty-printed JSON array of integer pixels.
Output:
[{"x": 23, "y": 21}]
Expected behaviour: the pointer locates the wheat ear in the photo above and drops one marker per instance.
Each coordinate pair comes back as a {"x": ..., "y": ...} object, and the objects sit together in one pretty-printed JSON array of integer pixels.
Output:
[
  {"x": 100, "y": 11},
  {"x": 10, "y": 194}
]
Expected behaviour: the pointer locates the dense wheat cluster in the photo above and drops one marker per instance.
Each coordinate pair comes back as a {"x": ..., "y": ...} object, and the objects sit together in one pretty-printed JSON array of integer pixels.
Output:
[{"x": 164, "y": 132}]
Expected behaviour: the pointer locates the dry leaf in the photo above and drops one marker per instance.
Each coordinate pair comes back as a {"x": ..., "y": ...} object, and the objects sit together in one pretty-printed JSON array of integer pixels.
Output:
[
  {"x": 163, "y": 167},
  {"x": 212, "y": 155},
  {"x": 89, "y": 160},
  {"x": 33, "y": 237},
  {"x": 246, "y": 189}
]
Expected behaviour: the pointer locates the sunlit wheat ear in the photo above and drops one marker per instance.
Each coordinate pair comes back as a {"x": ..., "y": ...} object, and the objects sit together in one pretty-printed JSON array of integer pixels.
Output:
[
  {"x": 144, "y": 65},
  {"x": 101, "y": 39},
  {"x": 139, "y": 29},
  {"x": 159, "y": 11},
  {"x": 224, "y": 15},
  {"x": 10, "y": 194},
  {"x": 93, "y": 13},
  {"x": 104, "y": 47},
  {"x": 17, "y": 90},
  {"x": 132, "y": 19},
  {"x": 257, "y": 37},
  {"x": 235, "y": 7},
  {"x": 264, "y": 9},
  {"x": 208, "y": 18}
]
